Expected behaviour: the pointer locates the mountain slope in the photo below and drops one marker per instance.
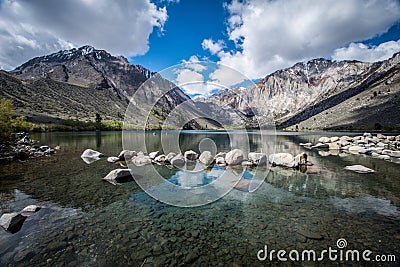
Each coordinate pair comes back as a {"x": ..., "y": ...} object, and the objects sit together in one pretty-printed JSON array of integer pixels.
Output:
[
  {"x": 297, "y": 93},
  {"x": 375, "y": 107},
  {"x": 46, "y": 100},
  {"x": 78, "y": 83}
]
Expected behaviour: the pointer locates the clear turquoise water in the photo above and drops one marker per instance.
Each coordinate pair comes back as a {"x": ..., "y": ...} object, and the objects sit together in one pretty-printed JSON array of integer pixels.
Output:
[{"x": 88, "y": 222}]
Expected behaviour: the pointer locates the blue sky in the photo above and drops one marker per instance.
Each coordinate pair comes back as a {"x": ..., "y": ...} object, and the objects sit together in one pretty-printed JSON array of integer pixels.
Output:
[
  {"x": 188, "y": 24},
  {"x": 250, "y": 37}
]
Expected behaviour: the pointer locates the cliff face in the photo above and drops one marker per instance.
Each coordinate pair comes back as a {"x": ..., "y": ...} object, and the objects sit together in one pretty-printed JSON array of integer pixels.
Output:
[{"x": 306, "y": 89}]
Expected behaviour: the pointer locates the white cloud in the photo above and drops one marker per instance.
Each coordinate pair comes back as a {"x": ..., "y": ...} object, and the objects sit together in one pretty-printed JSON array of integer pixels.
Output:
[
  {"x": 187, "y": 76},
  {"x": 362, "y": 52},
  {"x": 191, "y": 80},
  {"x": 193, "y": 83},
  {"x": 226, "y": 77},
  {"x": 194, "y": 64},
  {"x": 271, "y": 35},
  {"x": 214, "y": 47},
  {"x": 33, "y": 28}
]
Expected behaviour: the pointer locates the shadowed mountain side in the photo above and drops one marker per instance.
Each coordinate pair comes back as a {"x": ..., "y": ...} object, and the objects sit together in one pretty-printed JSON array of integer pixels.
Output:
[
  {"x": 43, "y": 100},
  {"x": 377, "y": 107}
]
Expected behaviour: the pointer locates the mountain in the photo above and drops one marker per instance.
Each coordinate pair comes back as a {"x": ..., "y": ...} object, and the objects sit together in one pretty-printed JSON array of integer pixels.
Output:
[
  {"x": 317, "y": 94},
  {"x": 78, "y": 83},
  {"x": 309, "y": 89}
]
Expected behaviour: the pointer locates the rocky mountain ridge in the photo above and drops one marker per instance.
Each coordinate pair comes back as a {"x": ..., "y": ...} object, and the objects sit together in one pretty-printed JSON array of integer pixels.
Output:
[
  {"x": 308, "y": 88},
  {"x": 84, "y": 81},
  {"x": 317, "y": 94}
]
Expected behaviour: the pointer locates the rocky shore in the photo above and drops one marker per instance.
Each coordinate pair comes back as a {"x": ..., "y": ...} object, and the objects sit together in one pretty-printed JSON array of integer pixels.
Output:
[{"x": 21, "y": 147}]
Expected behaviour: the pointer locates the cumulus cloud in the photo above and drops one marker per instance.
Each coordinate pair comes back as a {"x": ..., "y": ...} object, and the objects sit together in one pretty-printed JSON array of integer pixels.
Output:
[
  {"x": 33, "y": 28},
  {"x": 363, "y": 52},
  {"x": 226, "y": 77},
  {"x": 213, "y": 47},
  {"x": 270, "y": 35},
  {"x": 194, "y": 64},
  {"x": 193, "y": 83},
  {"x": 191, "y": 77}
]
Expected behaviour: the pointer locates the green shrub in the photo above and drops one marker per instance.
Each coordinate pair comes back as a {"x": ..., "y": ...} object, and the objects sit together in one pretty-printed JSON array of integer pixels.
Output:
[{"x": 5, "y": 117}]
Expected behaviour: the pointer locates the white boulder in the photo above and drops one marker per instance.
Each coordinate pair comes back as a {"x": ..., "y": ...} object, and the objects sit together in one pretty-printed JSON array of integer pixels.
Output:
[
  {"x": 359, "y": 169},
  {"x": 206, "y": 158},
  {"x": 90, "y": 156},
  {"x": 324, "y": 139},
  {"x": 12, "y": 222},
  {"x": 112, "y": 159},
  {"x": 234, "y": 157},
  {"x": 283, "y": 159},
  {"x": 178, "y": 160},
  {"x": 153, "y": 155},
  {"x": 118, "y": 175}
]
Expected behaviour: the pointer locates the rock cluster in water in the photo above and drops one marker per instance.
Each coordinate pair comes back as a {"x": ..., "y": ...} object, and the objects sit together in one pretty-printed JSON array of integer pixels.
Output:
[
  {"x": 23, "y": 148},
  {"x": 234, "y": 157},
  {"x": 378, "y": 146},
  {"x": 206, "y": 159}
]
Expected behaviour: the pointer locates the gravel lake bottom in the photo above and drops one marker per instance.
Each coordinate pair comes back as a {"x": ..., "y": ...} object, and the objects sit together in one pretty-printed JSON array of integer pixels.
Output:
[{"x": 88, "y": 222}]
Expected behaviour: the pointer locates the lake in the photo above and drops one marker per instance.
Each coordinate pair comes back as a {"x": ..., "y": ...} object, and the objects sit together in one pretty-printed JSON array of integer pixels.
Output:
[{"x": 89, "y": 222}]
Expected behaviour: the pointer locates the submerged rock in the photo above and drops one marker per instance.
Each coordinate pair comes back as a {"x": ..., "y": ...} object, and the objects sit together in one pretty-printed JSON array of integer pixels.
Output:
[
  {"x": 309, "y": 234},
  {"x": 90, "y": 156},
  {"x": 384, "y": 157},
  {"x": 395, "y": 154},
  {"x": 306, "y": 144},
  {"x": 355, "y": 149},
  {"x": 29, "y": 210},
  {"x": 118, "y": 176},
  {"x": 234, "y": 157},
  {"x": 178, "y": 160},
  {"x": 206, "y": 158},
  {"x": 283, "y": 159},
  {"x": 359, "y": 169},
  {"x": 12, "y": 222},
  {"x": 320, "y": 145},
  {"x": 141, "y": 160}
]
